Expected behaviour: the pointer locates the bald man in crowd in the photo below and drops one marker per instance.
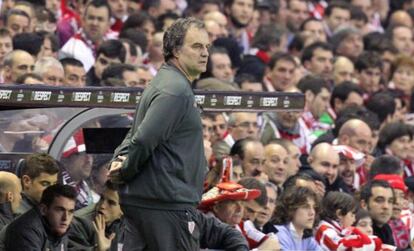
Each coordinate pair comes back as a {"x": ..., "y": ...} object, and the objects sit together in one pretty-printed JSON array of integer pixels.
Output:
[
  {"x": 358, "y": 135},
  {"x": 343, "y": 70},
  {"x": 276, "y": 163},
  {"x": 324, "y": 160},
  {"x": 10, "y": 197},
  {"x": 401, "y": 17},
  {"x": 16, "y": 64}
]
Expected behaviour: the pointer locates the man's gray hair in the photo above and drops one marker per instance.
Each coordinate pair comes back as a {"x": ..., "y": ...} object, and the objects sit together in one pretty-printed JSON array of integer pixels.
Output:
[
  {"x": 44, "y": 63},
  {"x": 175, "y": 35},
  {"x": 8, "y": 58}
]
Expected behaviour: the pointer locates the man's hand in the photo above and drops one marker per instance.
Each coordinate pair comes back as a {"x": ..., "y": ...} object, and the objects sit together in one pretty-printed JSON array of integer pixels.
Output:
[
  {"x": 115, "y": 170},
  {"x": 104, "y": 243}
]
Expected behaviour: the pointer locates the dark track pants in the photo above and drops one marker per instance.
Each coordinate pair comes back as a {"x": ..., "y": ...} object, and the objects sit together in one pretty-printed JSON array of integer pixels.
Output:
[{"x": 159, "y": 230}]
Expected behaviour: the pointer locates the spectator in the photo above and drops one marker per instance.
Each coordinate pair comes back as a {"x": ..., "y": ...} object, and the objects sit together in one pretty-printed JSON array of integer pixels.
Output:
[
  {"x": 240, "y": 125},
  {"x": 368, "y": 67},
  {"x": 297, "y": 13},
  {"x": 30, "y": 79},
  {"x": 349, "y": 160},
  {"x": 402, "y": 38},
  {"x": 312, "y": 30},
  {"x": 395, "y": 139},
  {"x": 141, "y": 22},
  {"x": 240, "y": 13},
  {"x": 44, "y": 227},
  {"x": 144, "y": 76},
  {"x": 219, "y": 65},
  {"x": 29, "y": 42},
  {"x": 126, "y": 73},
  {"x": 155, "y": 57},
  {"x": 83, "y": 45},
  {"x": 348, "y": 42},
  {"x": 276, "y": 163},
  {"x": 75, "y": 75},
  {"x": 15, "y": 64},
  {"x": 250, "y": 153},
  {"x": 317, "y": 58},
  {"x": 38, "y": 172},
  {"x": 337, "y": 14},
  {"x": 265, "y": 213},
  {"x": 17, "y": 21},
  {"x": 378, "y": 198},
  {"x": 280, "y": 73},
  {"x": 249, "y": 83},
  {"x": 346, "y": 94},
  {"x": 156, "y": 8},
  {"x": 109, "y": 52},
  {"x": 6, "y": 44},
  {"x": 402, "y": 76},
  {"x": 10, "y": 197},
  {"x": 295, "y": 215},
  {"x": 334, "y": 231},
  {"x": 51, "y": 71}
]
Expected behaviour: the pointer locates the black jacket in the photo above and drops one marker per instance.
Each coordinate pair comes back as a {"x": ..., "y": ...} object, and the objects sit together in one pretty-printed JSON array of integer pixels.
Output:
[
  {"x": 29, "y": 232},
  {"x": 6, "y": 214},
  {"x": 384, "y": 233},
  {"x": 165, "y": 166}
]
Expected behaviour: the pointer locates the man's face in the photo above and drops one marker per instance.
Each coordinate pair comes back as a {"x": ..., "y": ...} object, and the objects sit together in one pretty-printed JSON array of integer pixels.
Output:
[
  {"x": 321, "y": 63},
  {"x": 352, "y": 46},
  {"x": 320, "y": 103},
  {"x": 6, "y": 46},
  {"x": 365, "y": 5},
  {"x": 400, "y": 147},
  {"x": 144, "y": 78},
  {"x": 80, "y": 167},
  {"x": 59, "y": 214},
  {"x": 130, "y": 78},
  {"x": 54, "y": 76},
  {"x": 219, "y": 126},
  {"x": 403, "y": 40},
  {"x": 253, "y": 159},
  {"x": 338, "y": 17},
  {"x": 304, "y": 216},
  {"x": 109, "y": 206},
  {"x": 118, "y": 8},
  {"x": 369, "y": 79},
  {"x": 282, "y": 75},
  {"x": 297, "y": 13},
  {"x": 221, "y": 67},
  {"x": 102, "y": 62},
  {"x": 22, "y": 63},
  {"x": 229, "y": 211},
  {"x": 193, "y": 55},
  {"x": 347, "y": 169},
  {"x": 276, "y": 163},
  {"x": 96, "y": 22},
  {"x": 354, "y": 98},
  {"x": 326, "y": 164},
  {"x": 251, "y": 210},
  {"x": 34, "y": 188},
  {"x": 207, "y": 128},
  {"x": 315, "y": 30},
  {"x": 360, "y": 140},
  {"x": 75, "y": 76},
  {"x": 17, "y": 24},
  {"x": 343, "y": 71},
  {"x": 380, "y": 205},
  {"x": 245, "y": 126},
  {"x": 288, "y": 119},
  {"x": 242, "y": 11}
]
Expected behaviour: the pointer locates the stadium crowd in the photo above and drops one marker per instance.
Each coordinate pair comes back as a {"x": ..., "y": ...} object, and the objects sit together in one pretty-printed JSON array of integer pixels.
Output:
[{"x": 336, "y": 176}]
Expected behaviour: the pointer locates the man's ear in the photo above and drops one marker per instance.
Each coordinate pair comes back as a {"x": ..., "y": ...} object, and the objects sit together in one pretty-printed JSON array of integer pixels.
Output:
[
  {"x": 43, "y": 209},
  {"x": 26, "y": 180},
  {"x": 310, "y": 159},
  {"x": 7, "y": 72},
  {"x": 309, "y": 96},
  {"x": 306, "y": 64},
  {"x": 9, "y": 197},
  {"x": 363, "y": 204}
]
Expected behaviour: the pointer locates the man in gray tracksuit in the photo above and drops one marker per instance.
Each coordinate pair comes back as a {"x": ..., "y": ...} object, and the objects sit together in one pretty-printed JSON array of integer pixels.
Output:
[{"x": 161, "y": 161}]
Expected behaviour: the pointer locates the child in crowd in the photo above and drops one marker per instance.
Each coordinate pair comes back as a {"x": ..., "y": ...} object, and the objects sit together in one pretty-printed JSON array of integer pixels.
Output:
[{"x": 335, "y": 231}]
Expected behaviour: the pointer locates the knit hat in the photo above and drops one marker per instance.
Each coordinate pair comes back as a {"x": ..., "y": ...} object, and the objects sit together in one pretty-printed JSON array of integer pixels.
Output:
[
  {"x": 227, "y": 191},
  {"x": 395, "y": 181},
  {"x": 76, "y": 144}
]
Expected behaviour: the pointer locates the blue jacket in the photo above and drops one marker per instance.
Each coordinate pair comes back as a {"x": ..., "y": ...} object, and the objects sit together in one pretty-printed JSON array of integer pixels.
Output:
[{"x": 289, "y": 240}]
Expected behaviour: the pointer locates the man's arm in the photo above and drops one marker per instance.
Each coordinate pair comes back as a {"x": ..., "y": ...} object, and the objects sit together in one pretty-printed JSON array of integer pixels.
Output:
[
  {"x": 217, "y": 235},
  {"x": 161, "y": 119}
]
